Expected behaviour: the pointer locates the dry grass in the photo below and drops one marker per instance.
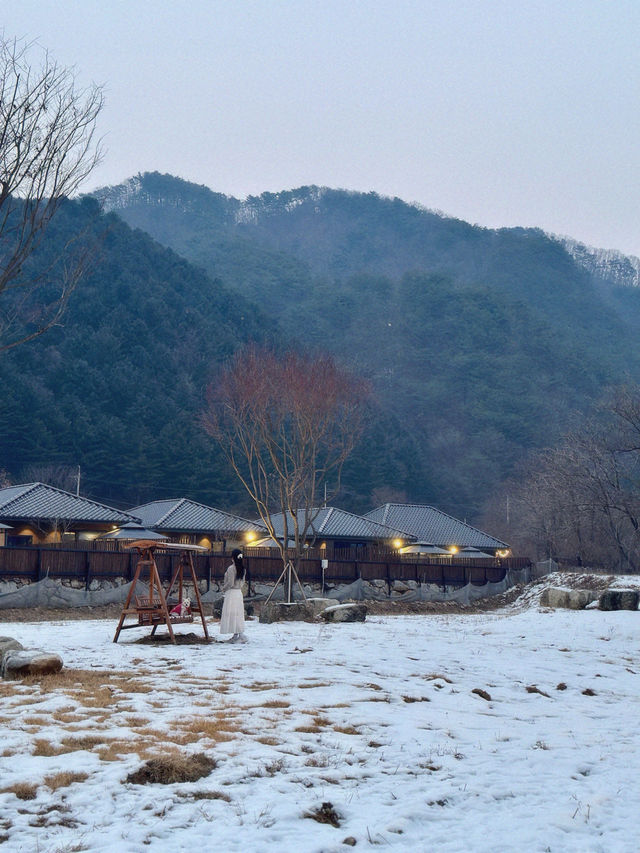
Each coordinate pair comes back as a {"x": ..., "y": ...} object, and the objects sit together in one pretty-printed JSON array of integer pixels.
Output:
[
  {"x": 262, "y": 685},
  {"x": 206, "y": 795},
  {"x": 88, "y": 742},
  {"x": 275, "y": 703},
  {"x": 63, "y": 780},
  {"x": 268, "y": 741},
  {"x": 314, "y": 684},
  {"x": 169, "y": 769},
  {"x": 309, "y": 730},
  {"x": 45, "y": 748},
  {"x": 325, "y": 814},
  {"x": 347, "y": 730},
  {"x": 437, "y": 677},
  {"x": 22, "y": 790},
  {"x": 217, "y": 728},
  {"x": 35, "y": 721}
]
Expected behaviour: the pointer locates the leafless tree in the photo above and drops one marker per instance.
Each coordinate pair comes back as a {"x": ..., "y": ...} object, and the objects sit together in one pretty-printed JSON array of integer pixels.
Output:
[
  {"x": 286, "y": 424},
  {"x": 47, "y": 149},
  {"x": 581, "y": 500}
]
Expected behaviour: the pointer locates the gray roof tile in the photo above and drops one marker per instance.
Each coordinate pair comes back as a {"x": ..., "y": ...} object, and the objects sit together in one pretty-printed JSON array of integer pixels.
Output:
[
  {"x": 187, "y": 516},
  {"x": 41, "y": 501},
  {"x": 334, "y": 523},
  {"x": 431, "y": 525}
]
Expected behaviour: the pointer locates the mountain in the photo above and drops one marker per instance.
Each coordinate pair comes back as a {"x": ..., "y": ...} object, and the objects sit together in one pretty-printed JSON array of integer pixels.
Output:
[
  {"x": 482, "y": 344},
  {"x": 118, "y": 386}
]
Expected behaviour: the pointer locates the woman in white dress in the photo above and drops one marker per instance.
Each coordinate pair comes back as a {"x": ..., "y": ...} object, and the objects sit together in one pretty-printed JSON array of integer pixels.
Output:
[{"x": 232, "y": 620}]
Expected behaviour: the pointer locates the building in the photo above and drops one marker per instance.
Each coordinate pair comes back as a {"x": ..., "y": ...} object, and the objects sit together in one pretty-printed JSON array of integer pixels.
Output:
[
  {"x": 186, "y": 521},
  {"x": 335, "y": 529},
  {"x": 432, "y": 527},
  {"x": 36, "y": 513}
]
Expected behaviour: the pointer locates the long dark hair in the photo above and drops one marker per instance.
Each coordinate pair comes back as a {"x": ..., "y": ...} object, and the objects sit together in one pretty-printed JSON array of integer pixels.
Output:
[{"x": 236, "y": 556}]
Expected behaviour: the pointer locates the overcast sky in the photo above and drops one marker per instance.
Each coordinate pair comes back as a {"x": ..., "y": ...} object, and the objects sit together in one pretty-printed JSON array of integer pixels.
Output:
[{"x": 499, "y": 112}]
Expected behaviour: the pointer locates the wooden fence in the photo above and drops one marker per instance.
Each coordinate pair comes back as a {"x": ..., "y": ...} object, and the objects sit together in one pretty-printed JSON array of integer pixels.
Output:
[{"x": 86, "y": 565}]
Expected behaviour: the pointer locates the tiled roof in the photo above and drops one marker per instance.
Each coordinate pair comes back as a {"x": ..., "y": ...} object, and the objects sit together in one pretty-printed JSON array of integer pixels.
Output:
[
  {"x": 41, "y": 501},
  {"x": 431, "y": 525},
  {"x": 188, "y": 516},
  {"x": 334, "y": 523}
]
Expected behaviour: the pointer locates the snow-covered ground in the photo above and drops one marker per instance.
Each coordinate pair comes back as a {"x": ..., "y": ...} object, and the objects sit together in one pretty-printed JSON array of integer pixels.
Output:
[{"x": 377, "y": 718}]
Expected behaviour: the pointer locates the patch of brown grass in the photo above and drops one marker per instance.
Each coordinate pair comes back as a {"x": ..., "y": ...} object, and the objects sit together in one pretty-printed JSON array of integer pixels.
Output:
[
  {"x": 434, "y": 676},
  {"x": 65, "y": 717},
  {"x": 64, "y": 779},
  {"x": 22, "y": 790},
  {"x": 275, "y": 703},
  {"x": 206, "y": 795},
  {"x": 314, "y": 685},
  {"x": 169, "y": 769},
  {"x": 74, "y": 744},
  {"x": 410, "y": 699},
  {"x": 257, "y": 686},
  {"x": 45, "y": 748},
  {"x": 35, "y": 721},
  {"x": 268, "y": 741},
  {"x": 533, "y": 689},
  {"x": 325, "y": 814},
  {"x": 346, "y": 730},
  {"x": 309, "y": 730}
]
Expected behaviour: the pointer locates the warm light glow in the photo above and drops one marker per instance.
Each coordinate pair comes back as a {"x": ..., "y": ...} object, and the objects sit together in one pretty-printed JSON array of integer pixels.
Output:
[
  {"x": 504, "y": 553},
  {"x": 453, "y": 549},
  {"x": 323, "y": 545},
  {"x": 250, "y": 536},
  {"x": 397, "y": 543}
]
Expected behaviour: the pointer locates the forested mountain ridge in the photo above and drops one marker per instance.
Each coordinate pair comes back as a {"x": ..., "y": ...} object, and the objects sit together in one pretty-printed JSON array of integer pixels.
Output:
[
  {"x": 117, "y": 387},
  {"x": 481, "y": 343}
]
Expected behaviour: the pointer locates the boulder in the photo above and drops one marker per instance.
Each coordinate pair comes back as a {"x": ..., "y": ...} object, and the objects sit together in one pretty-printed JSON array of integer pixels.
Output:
[
  {"x": 573, "y": 599},
  {"x": 345, "y": 613},
  {"x": 19, "y": 664},
  {"x": 8, "y": 644},
  {"x": 320, "y": 604},
  {"x": 281, "y": 611},
  {"x": 619, "y": 599}
]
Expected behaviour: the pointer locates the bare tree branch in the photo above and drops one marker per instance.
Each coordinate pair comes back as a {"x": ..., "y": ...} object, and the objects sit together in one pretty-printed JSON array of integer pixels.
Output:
[
  {"x": 286, "y": 425},
  {"x": 47, "y": 149}
]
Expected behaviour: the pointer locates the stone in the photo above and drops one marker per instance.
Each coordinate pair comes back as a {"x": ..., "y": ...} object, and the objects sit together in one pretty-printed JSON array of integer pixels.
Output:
[
  {"x": 619, "y": 599},
  {"x": 20, "y": 664},
  {"x": 345, "y": 613},
  {"x": 8, "y": 644},
  {"x": 95, "y": 585},
  {"x": 320, "y": 604},
  {"x": 7, "y": 586},
  {"x": 573, "y": 599},
  {"x": 281, "y": 611},
  {"x": 399, "y": 586}
]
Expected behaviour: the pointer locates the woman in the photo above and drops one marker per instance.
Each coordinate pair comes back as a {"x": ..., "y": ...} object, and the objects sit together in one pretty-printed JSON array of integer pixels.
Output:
[{"x": 232, "y": 620}]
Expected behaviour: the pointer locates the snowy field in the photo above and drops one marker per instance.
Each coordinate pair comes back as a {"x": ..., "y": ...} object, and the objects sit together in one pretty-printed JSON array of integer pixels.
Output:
[{"x": 379, "y": 719}]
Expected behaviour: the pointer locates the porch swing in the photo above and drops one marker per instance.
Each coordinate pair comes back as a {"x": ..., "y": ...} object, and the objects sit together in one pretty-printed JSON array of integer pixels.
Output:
[{"x": 152, "y": 609}]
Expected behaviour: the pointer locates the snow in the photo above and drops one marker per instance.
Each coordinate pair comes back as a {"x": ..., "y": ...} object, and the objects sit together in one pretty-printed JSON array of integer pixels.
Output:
[{"x": 378, "y": 718}]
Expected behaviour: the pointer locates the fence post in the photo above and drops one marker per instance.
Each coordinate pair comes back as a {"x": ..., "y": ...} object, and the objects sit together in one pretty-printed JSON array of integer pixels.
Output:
[
  {"x": 388, "y": 572},
  {"x": 87, "y": 570},
  {"x": 39, "y": 565}
]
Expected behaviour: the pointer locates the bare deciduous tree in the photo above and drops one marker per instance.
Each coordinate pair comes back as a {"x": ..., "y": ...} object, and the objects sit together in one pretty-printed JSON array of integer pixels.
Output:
[
  {"x": 286, "y": 424},
  {"x": 47, "y": 149},
  {"x": 581, "y": 501}
]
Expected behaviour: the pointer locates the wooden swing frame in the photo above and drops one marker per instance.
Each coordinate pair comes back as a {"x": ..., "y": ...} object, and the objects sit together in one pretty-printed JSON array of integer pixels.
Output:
[{"x": 152, "y": 610}]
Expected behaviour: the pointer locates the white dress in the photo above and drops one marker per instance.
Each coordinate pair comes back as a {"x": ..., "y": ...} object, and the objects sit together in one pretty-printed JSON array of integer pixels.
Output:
[{"x": 232, "y": 620}]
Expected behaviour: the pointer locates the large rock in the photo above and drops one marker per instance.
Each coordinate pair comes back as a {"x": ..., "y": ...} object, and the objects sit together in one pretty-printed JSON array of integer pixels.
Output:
[
  {"x": 619, "y": 599},
  {"x": 20, "y": 664},
  {"x": 573, "y": 599},
  {"x": 280, "y": 611},
  {"x": 320, "y": 604},
  {"x": 345, "y": 613},
  {"x": 8, "y": 644}
]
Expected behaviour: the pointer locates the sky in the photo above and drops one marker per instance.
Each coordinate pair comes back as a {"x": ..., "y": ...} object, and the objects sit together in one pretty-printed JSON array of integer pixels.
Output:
[{"x": 498, "y": 112}]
